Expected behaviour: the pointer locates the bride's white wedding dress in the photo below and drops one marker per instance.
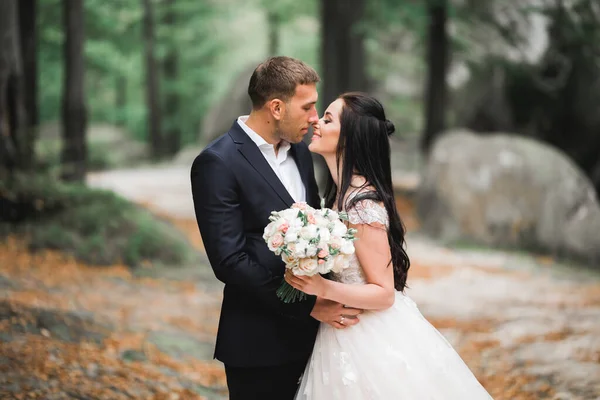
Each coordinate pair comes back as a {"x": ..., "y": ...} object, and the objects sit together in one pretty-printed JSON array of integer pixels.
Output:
[{"x": 394, "y": 354}]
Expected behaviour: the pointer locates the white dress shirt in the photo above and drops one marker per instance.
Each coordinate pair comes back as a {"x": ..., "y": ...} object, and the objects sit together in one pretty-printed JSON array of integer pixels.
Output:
[{"x": 282, "y": 164}]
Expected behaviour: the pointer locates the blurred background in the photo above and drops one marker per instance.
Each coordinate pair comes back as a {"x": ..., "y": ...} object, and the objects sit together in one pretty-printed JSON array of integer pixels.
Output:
[{"x": 105, "y": 291}]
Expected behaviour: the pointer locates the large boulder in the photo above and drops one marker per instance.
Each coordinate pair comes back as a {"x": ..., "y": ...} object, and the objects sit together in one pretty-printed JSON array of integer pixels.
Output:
[
  {"x": 234, "y": 103},
  {"x": 508, "y": 190}
]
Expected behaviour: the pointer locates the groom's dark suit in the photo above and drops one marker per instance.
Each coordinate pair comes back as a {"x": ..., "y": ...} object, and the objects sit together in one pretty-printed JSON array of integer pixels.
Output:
[{"x": 235, "y": 189}]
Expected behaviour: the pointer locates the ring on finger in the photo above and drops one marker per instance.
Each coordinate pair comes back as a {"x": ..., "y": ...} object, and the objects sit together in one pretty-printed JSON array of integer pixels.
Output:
[{"x": 342, "y": 320}]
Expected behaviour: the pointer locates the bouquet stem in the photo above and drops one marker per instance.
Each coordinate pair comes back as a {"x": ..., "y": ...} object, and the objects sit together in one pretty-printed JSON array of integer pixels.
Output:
[{"x": 289, "y": 294}]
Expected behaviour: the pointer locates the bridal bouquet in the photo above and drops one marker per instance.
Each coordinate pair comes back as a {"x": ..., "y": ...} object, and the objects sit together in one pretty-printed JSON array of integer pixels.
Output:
[{"x": 310, "y": 241}]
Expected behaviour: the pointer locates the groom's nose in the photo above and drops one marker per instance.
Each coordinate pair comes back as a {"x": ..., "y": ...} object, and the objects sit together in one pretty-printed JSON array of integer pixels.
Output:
[{"x": 314, "y": 116}]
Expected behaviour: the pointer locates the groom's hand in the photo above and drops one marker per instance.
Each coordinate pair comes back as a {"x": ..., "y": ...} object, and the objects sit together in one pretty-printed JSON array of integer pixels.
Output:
[{"x": 335, "y": 314}]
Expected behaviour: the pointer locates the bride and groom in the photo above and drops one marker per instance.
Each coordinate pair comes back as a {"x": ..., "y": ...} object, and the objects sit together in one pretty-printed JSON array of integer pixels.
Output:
[{"x": 357, "y": 335}]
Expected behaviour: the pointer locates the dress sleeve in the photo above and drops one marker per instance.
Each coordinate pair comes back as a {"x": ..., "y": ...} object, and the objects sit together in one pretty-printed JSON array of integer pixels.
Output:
[{"x": 368, "y": 212}]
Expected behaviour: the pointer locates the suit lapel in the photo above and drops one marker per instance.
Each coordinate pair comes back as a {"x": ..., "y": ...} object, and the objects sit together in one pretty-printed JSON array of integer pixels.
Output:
[{"x": 252, "y": 154}]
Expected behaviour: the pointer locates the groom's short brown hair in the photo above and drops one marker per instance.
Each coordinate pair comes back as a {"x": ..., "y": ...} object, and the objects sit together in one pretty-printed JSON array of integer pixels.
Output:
[{"x": 277, "y": 77}]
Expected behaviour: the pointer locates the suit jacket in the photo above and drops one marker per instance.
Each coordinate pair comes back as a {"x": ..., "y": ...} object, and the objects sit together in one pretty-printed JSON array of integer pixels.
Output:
[{"x": 234, "y": 190}]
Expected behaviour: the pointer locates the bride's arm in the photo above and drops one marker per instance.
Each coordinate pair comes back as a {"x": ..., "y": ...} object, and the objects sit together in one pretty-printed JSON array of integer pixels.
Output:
[{"x": 373, "y": 252}]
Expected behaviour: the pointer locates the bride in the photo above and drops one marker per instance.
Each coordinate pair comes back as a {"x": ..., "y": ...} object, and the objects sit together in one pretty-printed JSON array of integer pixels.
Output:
[{"x": 394, "y": 352}]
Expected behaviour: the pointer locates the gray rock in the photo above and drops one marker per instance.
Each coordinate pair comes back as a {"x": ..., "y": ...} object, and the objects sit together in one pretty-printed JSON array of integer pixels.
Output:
[
  {"x": 65, "y": 326},
  {"x": 511, "y": 191},
  {"x": 180, "y": 344},
  {"x": 92, "y": 370},
  {"x": 7, "y": 284},
  {"x": 234, "y": 103}
]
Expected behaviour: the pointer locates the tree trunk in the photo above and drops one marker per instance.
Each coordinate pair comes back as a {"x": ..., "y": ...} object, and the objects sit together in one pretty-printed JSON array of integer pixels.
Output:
[
  {"x": 437, "y": 65},
  {"x": 74, "y": 113},
  {"x": 171, "y": 73},
  {"x": 152, "y": 89},
  {"x": 16, "y": 150},
  {"x": 28, "y": 30},
  {"x": 274, "y": 21},
  {"x": 121, "y": 100},
  {"x": 342, "y": 49}
]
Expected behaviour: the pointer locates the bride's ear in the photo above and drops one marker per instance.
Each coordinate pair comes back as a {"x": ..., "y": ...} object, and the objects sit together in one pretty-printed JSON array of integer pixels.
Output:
[{"x": 277, "y": 108}]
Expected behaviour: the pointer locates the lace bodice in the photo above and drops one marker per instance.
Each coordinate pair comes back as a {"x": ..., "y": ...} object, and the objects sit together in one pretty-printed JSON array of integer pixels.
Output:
[{"x": 363, "y": 212}]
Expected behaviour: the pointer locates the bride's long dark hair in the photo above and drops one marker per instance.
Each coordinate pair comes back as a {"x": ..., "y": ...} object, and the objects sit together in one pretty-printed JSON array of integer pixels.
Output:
[{"x": 364, "y": 149}]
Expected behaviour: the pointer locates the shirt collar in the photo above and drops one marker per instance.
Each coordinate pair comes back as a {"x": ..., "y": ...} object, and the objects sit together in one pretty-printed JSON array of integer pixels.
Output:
[{"x": 259, "y": 140}]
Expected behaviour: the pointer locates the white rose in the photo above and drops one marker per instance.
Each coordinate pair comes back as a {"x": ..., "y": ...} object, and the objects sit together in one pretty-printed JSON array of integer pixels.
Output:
[
  {"x": 333, "y": 216},
  {"x": 347, "y": 247},
  {"x": 326, "y": 267},
  {"x": 306, "y": 266},
  {"x": 320, "y": 220},
  {"x": 289, "y": 214},
  {"x": 269, "y": 230},
  {"x": 311, "y": 250},
  {"x": 338, "y": 229},
  {"x": 301, "y": 247},
  {"x": 340, "y": 262},
  {"x": 291, "y": 235},
  {"x": 324, "y": 234},
  {"x": 309, "y": 232},
  {"x": 296, "y": 223}
]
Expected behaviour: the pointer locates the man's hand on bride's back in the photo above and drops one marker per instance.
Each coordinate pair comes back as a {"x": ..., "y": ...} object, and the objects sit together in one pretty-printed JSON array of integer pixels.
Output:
[{"x": 335, "y": 314}]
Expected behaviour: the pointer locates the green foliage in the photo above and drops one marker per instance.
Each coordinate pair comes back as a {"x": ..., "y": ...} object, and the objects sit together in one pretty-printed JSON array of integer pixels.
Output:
[
  {"x": 115, "y": 63},
  {"x": 191, "y": 38},
  {"x": 96, "y": 226},
  {"x": 410, "y": 16},
  {"x": 286, "y": 11},
  {"x": 50, "y": 69}
]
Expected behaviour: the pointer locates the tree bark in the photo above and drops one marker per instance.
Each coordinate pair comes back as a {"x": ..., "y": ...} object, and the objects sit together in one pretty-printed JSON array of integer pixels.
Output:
[
  {"x": 171, "y": 73},
  {"x": 120, "y": 100},
  {"x": 74, "y": 112},
  {"x": 437, "y": 65},
  {"x": 274, "y": 21},
  {"x": 8, "y": 153},
  {"x": 28, "y": 31},
  {"x": 342, "y": 49},
  {"x": 152, "y": 85},
  {"x": 16, "y": 149}
]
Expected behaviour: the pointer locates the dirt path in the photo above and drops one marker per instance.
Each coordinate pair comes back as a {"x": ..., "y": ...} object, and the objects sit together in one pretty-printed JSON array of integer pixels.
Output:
[{"x": 528, "y": 327}]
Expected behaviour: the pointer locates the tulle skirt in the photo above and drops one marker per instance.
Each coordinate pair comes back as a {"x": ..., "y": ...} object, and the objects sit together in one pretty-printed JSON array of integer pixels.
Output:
[{"x": 395, "y": 354}]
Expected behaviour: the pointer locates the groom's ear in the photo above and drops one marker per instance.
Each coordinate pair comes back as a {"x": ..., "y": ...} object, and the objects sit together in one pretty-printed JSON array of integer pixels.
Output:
[{"x": 277, "y": 108}]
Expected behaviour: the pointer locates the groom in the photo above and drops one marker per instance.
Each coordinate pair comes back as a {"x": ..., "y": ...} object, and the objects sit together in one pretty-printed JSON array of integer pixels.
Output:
[{"x": 261, "y": 165}]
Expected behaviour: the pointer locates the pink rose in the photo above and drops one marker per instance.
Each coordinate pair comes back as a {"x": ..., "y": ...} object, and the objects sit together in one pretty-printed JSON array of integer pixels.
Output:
[
  {"x": 323, "y": 253},
  {"x": 321, "y": 261},
  {"x": 310, "y": 217},
  {"x": 284, "y": 227},
  {"x": 290, "y": 261},
  {"x": 300, "y": 206},
  {"x": 276, "y": 241},
  {"x": 335, "y": 245},
  {"x": 306, "y": 266}
]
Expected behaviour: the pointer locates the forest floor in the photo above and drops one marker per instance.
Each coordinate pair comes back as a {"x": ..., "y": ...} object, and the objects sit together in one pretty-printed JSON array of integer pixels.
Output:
[{"x": 527, "y": 326}]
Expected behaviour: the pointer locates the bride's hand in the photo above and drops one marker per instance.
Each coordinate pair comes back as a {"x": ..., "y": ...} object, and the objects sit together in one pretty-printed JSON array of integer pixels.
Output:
[{"x": 313, "y": 285}]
